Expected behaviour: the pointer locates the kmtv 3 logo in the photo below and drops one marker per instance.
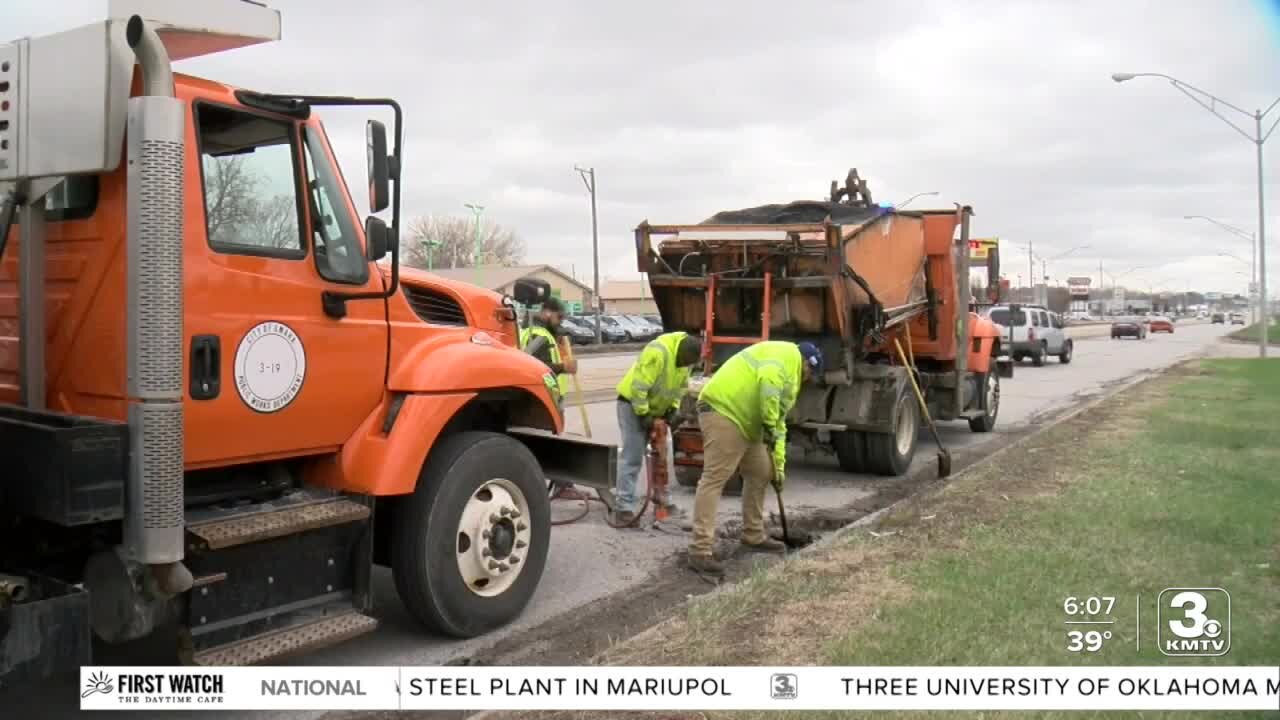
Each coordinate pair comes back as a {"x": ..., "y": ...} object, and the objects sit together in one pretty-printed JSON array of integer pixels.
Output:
[
  {"x": 784, "y": 687},
  {"x": 1194, "y": 621}
]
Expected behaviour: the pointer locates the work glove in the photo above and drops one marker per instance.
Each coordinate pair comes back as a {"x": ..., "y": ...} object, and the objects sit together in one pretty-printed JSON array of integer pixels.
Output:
[
  {"x": 646, "y": 422},
  {"x": 670, "y": 417}
]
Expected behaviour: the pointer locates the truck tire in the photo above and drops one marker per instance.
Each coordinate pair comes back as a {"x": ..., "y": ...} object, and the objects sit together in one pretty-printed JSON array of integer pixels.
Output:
[
  {"x": 851, "y": 450},
  {"x": 986, "y": 422},
  {"x": 1038, "y": 359},
  {"x": 1065, "y": 356},
  {"x": 470, "y": 484},
  {"x": 891, "y": 453}
]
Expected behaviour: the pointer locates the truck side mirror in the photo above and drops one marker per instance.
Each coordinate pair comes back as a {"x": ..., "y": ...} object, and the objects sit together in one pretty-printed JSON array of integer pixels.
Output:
[
  {"x": 379, "y": 166},
  {"x": 531, "y": 291},
  {"x": 379, "y": 240}
]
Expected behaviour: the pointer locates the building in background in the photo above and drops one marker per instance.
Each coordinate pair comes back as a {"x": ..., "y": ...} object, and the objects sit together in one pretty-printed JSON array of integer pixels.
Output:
[
  {"x": 576, "y": 296},
  {"x": 628, "y": 296}
]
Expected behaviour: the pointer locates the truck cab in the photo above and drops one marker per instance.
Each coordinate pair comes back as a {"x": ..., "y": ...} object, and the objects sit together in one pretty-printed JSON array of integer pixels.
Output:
[{"x": 222, "y": 400}]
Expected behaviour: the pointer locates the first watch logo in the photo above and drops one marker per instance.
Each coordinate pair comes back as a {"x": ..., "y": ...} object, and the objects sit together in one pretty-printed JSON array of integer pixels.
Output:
[
  {"x": 96, "y": 683},
  {"x": 783, "y": 687},
  {"x": 1194, "y": 622}
]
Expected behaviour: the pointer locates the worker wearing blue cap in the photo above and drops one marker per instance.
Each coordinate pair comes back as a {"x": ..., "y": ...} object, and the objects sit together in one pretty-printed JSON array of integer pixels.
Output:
[{"x": 742, "y": 413}]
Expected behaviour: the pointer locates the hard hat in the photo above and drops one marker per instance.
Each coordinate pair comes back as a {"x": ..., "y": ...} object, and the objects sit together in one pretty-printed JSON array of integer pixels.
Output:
[{"x": 812, "y": 357}]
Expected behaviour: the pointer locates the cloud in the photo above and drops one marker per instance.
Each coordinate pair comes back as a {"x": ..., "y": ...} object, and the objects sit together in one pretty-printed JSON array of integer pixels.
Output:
[{"x": 685, "y": 109}]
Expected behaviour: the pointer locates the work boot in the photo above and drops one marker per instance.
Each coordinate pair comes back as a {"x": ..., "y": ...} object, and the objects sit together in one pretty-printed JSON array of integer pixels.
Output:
[
  {"x": 673, "y": 511},
  {"x": 624, "y": 518},
  {"x": 706, "y": 564},
  {"x": 768, "y": 545}
]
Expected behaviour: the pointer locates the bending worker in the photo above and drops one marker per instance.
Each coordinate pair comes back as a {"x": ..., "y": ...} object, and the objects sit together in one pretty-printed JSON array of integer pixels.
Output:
[
  {"x": 651, "y": 389},
  {"x": 541, "y": 340},
  {"x": 742, "y": 411}
]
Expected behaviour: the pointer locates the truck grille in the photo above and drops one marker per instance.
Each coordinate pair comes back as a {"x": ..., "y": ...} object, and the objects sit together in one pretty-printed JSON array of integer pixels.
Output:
[{"x": 434, "y": 307}]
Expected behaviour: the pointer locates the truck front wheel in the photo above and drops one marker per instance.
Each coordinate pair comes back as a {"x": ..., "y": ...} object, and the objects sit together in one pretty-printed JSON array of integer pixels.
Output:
[
  {"x": 891, "y": 453},
  {"x": 471, "y": 541},
  {"x": 986, "y": 422}
]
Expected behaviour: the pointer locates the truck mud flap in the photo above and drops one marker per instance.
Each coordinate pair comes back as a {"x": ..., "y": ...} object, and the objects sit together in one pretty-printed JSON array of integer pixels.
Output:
[
  {"x": 1004, "y": 366},
  {"x": 44, "y": 633},
  {"x": 571, "y": 459}
]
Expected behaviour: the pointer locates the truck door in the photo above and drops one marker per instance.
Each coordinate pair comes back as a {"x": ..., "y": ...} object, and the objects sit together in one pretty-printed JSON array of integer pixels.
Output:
[{"x": 270, "y": 374}]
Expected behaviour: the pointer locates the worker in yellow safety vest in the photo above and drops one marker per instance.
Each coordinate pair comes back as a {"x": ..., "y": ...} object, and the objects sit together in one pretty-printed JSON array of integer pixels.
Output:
[
  {"x": 742, "y": 413},
  {"x": 652, "y": 388},
  {"x": 541, "y": 340}
]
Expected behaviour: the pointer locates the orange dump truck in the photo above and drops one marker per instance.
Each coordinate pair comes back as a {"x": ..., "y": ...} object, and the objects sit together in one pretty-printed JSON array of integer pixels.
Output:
[
  {"x": 851, "y": 277},
  {"x": 222, "y": 402}
]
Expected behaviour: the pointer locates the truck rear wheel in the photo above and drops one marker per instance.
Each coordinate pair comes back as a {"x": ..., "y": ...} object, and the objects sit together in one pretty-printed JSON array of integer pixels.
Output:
[
  {"x": 851, "y": 450},
  {"x": 891, "y": 453},
  {"x": 471, "y": 541}
]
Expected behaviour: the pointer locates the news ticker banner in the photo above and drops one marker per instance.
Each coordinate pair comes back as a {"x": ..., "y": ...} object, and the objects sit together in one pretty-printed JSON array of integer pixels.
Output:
[{"x": 1211, "y": 688}]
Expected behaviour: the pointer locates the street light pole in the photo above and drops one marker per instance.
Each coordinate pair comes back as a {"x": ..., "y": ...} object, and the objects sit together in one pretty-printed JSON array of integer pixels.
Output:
[
  {"x": 1258, "y": 138},
  {"x": 478, "y": 210},
  {"x": 589, "y": 179}
]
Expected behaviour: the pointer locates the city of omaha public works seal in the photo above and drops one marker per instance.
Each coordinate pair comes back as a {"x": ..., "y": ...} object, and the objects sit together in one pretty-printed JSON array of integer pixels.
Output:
[{"x": 270, "y": 367}]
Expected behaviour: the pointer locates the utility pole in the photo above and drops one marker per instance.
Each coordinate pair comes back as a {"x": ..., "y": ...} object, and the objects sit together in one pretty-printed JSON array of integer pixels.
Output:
[
  {"x": 1031, "y": 269},
  {"x": 589, "y": 179},
  {"x": 478, "y": 210}
]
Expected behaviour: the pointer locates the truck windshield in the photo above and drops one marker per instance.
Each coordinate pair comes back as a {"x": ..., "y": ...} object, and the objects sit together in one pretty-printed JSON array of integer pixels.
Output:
[{"x": 337, "y": 247}]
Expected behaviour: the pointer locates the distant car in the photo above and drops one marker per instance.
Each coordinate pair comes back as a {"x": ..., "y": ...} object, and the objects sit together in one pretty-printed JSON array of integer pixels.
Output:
[
  {"x": 1237, "y": 318},
  {"x": 654, "y": 318},
  {"x": 1128, "y": 327},
  {"x": 635, "y": 331},
  {"x": 1160, "y": 324},
  {"x": 610, "y": 333},
  {"x": 1218, "y": 318},
  {"x": 577, "y": 333},
  {"x": 645, "y": 330},
  {"x": 1032, "y": 331}
]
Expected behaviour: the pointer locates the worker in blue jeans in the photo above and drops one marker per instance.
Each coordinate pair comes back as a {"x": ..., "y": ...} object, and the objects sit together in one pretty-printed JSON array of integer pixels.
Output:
[{"x": 651, "y": 390}]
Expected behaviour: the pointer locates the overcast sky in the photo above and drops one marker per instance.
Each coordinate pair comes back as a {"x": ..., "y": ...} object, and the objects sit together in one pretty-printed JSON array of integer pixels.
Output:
[{"x": 688, "y": 108}]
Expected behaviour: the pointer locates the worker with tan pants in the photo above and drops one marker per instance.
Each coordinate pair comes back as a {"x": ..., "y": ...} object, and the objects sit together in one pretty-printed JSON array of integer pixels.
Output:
[{"x": 742, "y": 413}]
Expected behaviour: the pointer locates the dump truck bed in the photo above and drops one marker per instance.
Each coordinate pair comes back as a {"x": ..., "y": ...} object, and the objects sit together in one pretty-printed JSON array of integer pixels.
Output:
[{"x": 834, "y": 274}]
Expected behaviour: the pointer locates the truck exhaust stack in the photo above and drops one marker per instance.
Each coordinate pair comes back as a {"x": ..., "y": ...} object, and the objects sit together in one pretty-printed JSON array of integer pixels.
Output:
[{"x": 154, "y": 522}]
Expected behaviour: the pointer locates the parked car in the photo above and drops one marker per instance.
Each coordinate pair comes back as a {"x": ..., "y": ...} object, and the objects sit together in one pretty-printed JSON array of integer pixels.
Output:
[
  {"x": 1160, "y": 324},
  {"x": 1033, "y": 331},
  {"x": 1128, "y": 327},
  {"x": 630, "y": 329},
  {"x": 1218, "y": 318},
  {"x": 1237, "y": 318},
  {"x": 655, "y": 319},
  {"x": 654, "y": 325},
  {"x": 641, "y": 329},
  {"x": 609, "y": 332},
  {"x": 578, "y": 333}
]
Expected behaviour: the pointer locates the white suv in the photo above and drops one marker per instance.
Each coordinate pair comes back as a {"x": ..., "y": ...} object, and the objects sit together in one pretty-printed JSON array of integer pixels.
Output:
[{"x": 1033, "y": 331}]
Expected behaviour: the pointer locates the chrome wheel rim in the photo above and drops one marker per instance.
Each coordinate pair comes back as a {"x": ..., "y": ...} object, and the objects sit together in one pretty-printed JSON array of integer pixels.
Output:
[
  {"x": 993, "y": 394},
  {"x": 492, "y": 541}
]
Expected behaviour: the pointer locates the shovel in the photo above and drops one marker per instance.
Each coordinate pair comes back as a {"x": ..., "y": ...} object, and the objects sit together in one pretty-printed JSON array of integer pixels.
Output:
[{"x": 944, "y": 455}]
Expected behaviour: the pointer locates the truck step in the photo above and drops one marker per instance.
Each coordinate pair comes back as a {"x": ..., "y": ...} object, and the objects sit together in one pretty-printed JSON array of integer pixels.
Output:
[
  {"x": 276, "y": 644},
  {"x": 265, "y": 521}
]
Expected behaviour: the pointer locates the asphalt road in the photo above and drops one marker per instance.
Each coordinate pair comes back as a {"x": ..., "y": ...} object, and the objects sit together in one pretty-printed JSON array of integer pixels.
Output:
[{"x": 589, "y": 560}]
